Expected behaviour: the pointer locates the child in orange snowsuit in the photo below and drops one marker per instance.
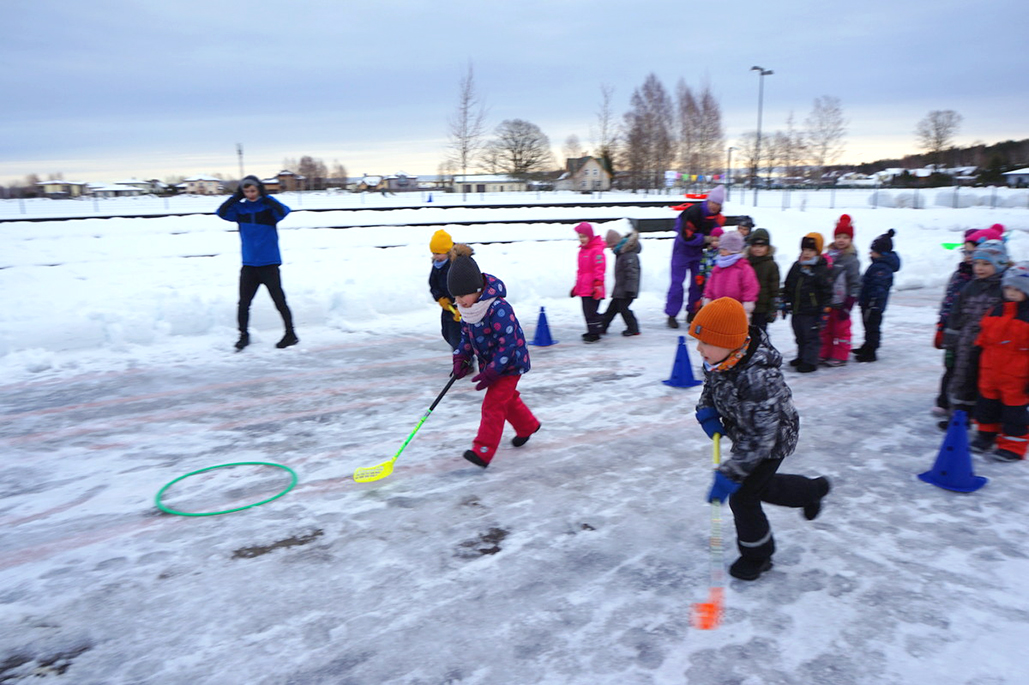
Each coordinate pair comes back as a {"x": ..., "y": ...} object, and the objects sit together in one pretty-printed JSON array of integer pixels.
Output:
[{"x": 1003, "y": 346}]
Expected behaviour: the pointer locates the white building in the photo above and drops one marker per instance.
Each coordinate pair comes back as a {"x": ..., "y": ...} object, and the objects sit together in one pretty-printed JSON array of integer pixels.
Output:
[{"x": 488, "y": 183}]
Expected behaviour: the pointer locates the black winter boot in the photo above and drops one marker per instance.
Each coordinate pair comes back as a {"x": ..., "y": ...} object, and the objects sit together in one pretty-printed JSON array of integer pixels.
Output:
[
  {"x": 749, "y": 569},
  {"x": 672, "y": 323},
  {"x": 471, "y": 456},
  {"x": 983, "y": 442},
  {"x": 289, "y": 339},
  {"x": 244, "y": 340},
  {"x": 867, "y": 356},
  {"x": 804, "y": 367},
  {"x": 812, "y": 510},
  {"x": 518, "y": 442}
]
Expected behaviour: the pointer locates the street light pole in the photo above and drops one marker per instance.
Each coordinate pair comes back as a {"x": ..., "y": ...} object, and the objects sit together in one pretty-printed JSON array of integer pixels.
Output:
[
  {"x": 762, "y": 73},
  {"x": 728, "y": 175}
]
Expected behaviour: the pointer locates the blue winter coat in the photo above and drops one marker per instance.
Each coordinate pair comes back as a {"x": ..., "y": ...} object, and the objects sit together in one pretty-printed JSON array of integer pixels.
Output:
[
  {"x": 877, "y": 281},
  {"x": 497, "y": 340},
  {"x": 257, "y": 230}
]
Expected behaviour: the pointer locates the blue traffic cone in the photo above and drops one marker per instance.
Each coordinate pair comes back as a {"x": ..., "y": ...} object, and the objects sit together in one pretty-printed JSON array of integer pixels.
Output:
[
  {"x": 953, "y": 467},
  {"x": 430, "y": 197},
  {"x": 543, "y": 338},
  {"x": 682, "y": 370}
]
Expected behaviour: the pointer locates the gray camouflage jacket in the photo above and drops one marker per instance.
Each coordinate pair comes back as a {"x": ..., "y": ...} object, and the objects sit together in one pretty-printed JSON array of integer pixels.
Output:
[{"x": 756, "y": 407}]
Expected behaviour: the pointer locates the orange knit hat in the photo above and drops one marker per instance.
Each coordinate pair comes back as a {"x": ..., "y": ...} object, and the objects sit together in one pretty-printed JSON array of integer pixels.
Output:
[
  {"x": 722, "y": 323},
  {"x": 813, "y": 241}
]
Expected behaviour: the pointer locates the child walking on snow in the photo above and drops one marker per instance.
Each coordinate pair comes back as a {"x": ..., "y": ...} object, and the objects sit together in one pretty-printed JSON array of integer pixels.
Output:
[
  {"x": 845, "y": 277},
  {"x": 450, "y": 320},
  {"x": 746, "y": 400},
  {"x": 806, "y": 295},
  {"x": 760, "y": 255},
  {"x": 732, "y": 275},
  {"x": 627, "y": 280},
  {"x": 875, "y": 293},
  {"x": 1001, "y": 409},
  {"x": 257, "y": 214},
  {"x": 491, "y": 333},
  {"x": 589, "y": 279}
]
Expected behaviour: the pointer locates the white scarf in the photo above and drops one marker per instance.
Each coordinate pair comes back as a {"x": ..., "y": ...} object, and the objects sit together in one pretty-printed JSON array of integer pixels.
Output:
[{"x": 475, "y": 313}]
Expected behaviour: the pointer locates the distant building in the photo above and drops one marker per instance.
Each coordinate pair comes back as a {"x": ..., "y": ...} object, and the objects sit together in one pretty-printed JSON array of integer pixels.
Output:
[
  {"x": 400, "y": 183},
  {"x": 113, "y": 190},
  {"x": 1019, "y": 178},
  {"x": 584, "y": 174},
  {"x": 63, "y": 189},
  {"x": 368, "y": 183},
  {"x": 201, "y": 185},
  {"x": 488, "y": 183},
  {"x": 288, "y": 181}
]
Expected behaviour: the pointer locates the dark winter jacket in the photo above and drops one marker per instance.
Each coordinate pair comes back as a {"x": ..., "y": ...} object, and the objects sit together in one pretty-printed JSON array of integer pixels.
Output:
[
  {"x": 1004, "y": 341},
  {"x": 692, "y": 226},
  {"x": 978, "y": 297},
  {"x": 877, "y": 281},
  {"x": 756, "y": 407},
  {"x": 627, "y": 266},
  {"x": 845, "y": 276},
  {"x": 497, "y": 341},
  {"x": 962, "y": 275},
  {"x": 807, "y": 289},
  {"x": 257, "y": 231},
  {"x": 438, "y": 281},
  {"x": 767, "y": 272}
]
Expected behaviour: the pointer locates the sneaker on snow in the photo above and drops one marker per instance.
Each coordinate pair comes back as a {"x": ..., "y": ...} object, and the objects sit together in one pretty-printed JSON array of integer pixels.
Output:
[
  {"x": 474, "y": 458},
  {"x": 812, "y": 510},
  {"x": 518, "y": 442},
  {"x": 289, "y": 339},
  {"x": 749, "y": 569},
  {"x": 244, "y": 340}
]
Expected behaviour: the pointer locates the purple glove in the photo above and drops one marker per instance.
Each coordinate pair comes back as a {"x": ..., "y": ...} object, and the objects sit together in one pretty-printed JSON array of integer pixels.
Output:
[
  {"x": 485, "y": 378},
  {"x": 462, "y": 365}
]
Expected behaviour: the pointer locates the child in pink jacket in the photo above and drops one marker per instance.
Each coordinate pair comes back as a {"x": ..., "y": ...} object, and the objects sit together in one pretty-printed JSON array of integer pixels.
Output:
[
  {"x": 589, "y": 279},
  {"x": 732, "y": 275}
]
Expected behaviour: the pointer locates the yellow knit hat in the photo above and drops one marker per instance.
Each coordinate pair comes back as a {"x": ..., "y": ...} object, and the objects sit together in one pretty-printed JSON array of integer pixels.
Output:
[
  {"x": 722, "y": 323},
  {"x": 441, "y": 242},
  {"x": 813, "y": 241}
]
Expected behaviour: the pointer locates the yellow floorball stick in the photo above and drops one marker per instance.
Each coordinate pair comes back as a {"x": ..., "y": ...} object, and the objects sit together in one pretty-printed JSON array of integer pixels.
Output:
[{"x": 367, "y": 474}]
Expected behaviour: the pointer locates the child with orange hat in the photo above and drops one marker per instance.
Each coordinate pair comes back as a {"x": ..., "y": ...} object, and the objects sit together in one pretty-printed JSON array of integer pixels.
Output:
[{"x": 745, "y": 399}]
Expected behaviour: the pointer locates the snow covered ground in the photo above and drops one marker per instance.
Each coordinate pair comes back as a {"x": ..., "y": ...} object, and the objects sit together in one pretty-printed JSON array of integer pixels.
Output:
[{"x": 574, "y": 559}]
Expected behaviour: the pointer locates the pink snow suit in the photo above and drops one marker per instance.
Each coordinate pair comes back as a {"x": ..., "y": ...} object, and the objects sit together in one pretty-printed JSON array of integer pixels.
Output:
[
  {"x": 592, "y": 267},
  {"x": 737, "y": 281}
]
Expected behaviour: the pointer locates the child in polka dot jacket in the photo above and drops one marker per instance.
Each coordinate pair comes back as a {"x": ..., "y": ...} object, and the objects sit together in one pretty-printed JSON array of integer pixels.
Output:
[{"x": 490, "y": 331}]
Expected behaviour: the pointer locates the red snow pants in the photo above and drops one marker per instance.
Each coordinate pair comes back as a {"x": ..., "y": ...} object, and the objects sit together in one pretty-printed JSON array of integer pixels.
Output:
[
  {"x": 502, "y": 403},
  {"x": 836, "y": 336}
]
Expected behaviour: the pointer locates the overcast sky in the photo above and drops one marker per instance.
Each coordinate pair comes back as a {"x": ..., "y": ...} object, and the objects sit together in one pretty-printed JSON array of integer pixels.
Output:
[{"x": 108, "y": 89}]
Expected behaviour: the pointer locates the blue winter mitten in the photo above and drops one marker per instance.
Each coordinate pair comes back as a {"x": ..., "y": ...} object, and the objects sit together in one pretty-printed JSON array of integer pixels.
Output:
[
  {"x": 462, "y": 365},
  {"x": 722, "y": 487},
  {"x": 485, "y": 378},
  {"x": 711, "y": 421}
]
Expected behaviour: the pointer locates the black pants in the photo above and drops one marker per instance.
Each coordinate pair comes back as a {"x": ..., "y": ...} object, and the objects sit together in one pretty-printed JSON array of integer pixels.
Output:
[
  {"x": 753, "y": 534},
  {"x": 450, "y": 329},
  {"x": 759, "y": 319},
  {"x": 250, "y": 279},
  {"x": 807, "y": 329},
  {"x": 589, "y": 310},
  {"x": 873, "y": 319},
  {"x": 620, "y": 305}
]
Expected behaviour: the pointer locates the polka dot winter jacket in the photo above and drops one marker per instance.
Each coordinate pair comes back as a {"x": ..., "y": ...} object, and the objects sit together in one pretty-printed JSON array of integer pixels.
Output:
[{"x": 497, "y": 341}]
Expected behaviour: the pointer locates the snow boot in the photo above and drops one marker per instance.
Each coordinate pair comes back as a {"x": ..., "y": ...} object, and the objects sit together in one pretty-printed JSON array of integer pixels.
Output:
[
  {"x": 289, "y": 339},
  {"x": 471, "y": 456},
  {"x": 812, "y": 510},
  {"x": 244, "y": 340},
  {"x": 795, "y": 362},
  {"x": 749, "y": 569},
  {"x": 1003, "y": 456},
  {"x": 518, "y": 442},
  {"x": 982, "y": 443},
  {"x": 591, "y": 338},
  {"x": 867, "y": 356},
  {"x": 672, "y": 323},
  {"x": 804, "y": 367},
  {"x": 627, "y": 333}
]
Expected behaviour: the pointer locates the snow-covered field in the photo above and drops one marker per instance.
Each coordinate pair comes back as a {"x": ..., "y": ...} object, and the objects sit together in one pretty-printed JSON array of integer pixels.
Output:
[{"x": 574, "y": 559}]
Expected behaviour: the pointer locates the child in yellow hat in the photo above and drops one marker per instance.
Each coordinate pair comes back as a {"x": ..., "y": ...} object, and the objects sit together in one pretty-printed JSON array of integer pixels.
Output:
[{"x": 441, "y": 245}]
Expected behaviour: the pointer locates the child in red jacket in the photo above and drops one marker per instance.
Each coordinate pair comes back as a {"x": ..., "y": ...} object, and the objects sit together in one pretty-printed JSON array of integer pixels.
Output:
[{"x": 1003, "y": 346}]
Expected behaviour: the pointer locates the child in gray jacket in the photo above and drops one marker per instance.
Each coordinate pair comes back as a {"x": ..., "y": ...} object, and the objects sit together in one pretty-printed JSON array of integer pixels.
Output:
[{"x": 627, "y": 280}]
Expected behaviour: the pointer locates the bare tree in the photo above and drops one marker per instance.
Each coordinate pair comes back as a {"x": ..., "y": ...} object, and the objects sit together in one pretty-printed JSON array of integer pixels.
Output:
[
  {"x": 467, "y": 125},
  {"x": 649, "y": 148},
  {"x": 936, "y": 132},
  {"x": 826, "y": 127},
  {"x": 290, "y": 164},
  {"x": 314, "y": 173},
  {"x": 519, "y": 148},
  {"x": 339, "y": 174},
  {"x": 572, "y": 148},
  {"x": 688, "y": 118},
  {"x": 746, "y": 145},
  {"x": 788, "y": 149},
  {"x": 604, "y": 135},
  {"x": 711, "y": 138}
]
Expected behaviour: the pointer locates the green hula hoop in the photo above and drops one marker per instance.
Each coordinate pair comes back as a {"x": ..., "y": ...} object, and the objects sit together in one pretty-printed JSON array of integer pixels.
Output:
[{"x": 169, "y": 510}]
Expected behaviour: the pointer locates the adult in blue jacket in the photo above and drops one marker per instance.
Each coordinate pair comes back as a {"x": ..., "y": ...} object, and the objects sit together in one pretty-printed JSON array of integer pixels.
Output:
[{"x": 257, "y": 214}]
